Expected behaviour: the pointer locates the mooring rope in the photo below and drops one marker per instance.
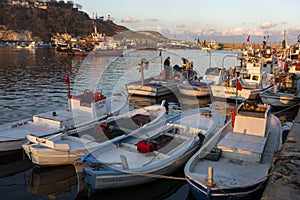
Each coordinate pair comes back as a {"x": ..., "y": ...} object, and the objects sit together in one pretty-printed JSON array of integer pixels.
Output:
[{"x": 286, "y": 109}]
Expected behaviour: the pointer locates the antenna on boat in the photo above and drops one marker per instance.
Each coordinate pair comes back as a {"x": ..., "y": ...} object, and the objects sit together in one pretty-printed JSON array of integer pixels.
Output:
[{"x": 160, "y": 55}]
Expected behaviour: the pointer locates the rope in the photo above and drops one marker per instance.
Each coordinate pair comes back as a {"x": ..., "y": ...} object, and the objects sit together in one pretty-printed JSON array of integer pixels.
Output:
[
  {"x": 154, "y": 175},
  {"x": 286, "y": 109}
]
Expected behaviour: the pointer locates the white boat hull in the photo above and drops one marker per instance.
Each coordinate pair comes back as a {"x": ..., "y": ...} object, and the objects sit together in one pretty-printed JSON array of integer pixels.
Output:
[
  {"x": 225, "y": 92},
  {"x": 128, "y": 180},
  {"x": 194, "y": 91},
  {"x": 151, "y": 91}
]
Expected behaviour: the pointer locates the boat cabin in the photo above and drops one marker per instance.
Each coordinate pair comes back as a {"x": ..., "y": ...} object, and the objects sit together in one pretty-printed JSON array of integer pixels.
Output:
[
  {"x": 248, "y": 139},
  {"x": 214, "y": 75},
  {"x": 89, "y": 102}
]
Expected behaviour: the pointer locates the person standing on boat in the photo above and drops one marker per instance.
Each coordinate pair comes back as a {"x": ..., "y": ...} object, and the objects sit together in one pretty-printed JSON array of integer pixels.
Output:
[{"x": 167, "y": 67}]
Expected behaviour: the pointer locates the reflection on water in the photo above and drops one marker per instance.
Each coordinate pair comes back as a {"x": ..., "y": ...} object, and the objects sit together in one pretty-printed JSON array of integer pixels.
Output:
[
  {"x": 160, "y": 189},
  {"x": 31, "y": 82},
  {"x": 53, "y": 182}
]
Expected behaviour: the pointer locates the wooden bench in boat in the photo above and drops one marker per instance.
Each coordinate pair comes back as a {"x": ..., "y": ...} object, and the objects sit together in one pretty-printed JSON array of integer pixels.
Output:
[{"x": 243, "y": 147}]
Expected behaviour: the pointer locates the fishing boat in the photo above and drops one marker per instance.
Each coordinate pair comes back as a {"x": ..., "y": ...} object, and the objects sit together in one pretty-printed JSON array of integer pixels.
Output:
[
  {"x": 144, "y": 155},
  {"x": 84, "y": 109},
  {"x": 195, "y": 87},
  {"x": 254, "y": 78},
  {"x": 65, "y": 148},
  {"x": 283, "y": 94},
  {"x": 295, "y": 67},
  {"x": 199, "y": 87},
  {"x": 154, "y": 86},
  {"x": 236, "y": 162}
]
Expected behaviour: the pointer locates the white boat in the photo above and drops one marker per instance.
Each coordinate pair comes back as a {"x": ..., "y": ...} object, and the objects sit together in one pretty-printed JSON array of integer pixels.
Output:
[
  {"x": 284, "y": 94},
  {"x": 65, "y": 148},
  {"x": 154, "y": 86},
  {"x": 295, "y": 67},
  {"x": 200, "y": 87},
  {"x": 254, "y": 79},
  {"x": 84, "y": 109},
  {"x": 142, "y": 156},
  {"x": 240, "y": 162},
  {"x": 195, "y": 88}
]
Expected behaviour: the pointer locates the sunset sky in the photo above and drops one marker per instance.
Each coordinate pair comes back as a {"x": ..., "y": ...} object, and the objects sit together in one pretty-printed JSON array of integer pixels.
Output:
[{"x": 205, "y": 19}]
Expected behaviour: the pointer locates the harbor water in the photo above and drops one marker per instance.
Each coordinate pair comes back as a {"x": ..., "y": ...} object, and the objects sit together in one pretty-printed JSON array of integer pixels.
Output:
[{"x": 32, "y": 82}]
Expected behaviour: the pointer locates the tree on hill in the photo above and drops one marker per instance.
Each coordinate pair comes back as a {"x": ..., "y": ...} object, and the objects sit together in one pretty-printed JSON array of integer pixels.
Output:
[{"x": 59, "y": 17}]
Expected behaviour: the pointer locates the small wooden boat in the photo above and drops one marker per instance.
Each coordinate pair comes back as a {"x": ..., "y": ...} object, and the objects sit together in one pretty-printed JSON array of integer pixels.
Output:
[
  {"x": 155, "y": 86},
  {"x": 235, "y": 164},
  {"x": 152, "y": 88},
  {"x": 84, "y": 110},
  {"x": 142, "y": 156},
  {"x": 65, "y": 148},
  {"x": 195, "y": 88},
  {"x": 200, "y": 87}
]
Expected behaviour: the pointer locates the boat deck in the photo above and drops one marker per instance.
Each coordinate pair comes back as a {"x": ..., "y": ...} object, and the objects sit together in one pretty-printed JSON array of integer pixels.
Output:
[
  {"x": 136, "y": 159},
  {"x": 231, "y": 171},
  {"x": 20, "y": 131}
]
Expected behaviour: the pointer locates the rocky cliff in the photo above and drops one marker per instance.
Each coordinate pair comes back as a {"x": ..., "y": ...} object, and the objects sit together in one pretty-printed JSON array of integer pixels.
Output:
[{"x": 32, "y": 23}]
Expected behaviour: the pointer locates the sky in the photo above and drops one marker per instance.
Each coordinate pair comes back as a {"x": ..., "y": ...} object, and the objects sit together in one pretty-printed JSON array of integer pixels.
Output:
[{"x": 225, "y": 20}]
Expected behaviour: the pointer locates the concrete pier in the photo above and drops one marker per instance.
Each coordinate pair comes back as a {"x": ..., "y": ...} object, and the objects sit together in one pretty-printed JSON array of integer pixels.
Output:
[{"x": 284, "y": 183}]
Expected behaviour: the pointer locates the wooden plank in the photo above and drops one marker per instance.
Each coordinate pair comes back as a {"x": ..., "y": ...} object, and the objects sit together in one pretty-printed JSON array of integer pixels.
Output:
[{"x": 48, "y": 143}]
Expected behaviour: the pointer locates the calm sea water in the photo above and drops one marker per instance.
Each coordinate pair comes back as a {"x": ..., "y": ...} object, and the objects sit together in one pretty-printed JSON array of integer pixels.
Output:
[{"x": 32, "y": 82}]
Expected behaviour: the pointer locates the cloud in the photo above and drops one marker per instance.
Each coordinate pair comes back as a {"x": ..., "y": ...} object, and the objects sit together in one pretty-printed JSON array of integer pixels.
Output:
[
  {"x": 267, "y": 25},
  {"x": 180, "y": 26},
  {"x": 152, "y": 20},
  {"x": 130, "y": 20}
]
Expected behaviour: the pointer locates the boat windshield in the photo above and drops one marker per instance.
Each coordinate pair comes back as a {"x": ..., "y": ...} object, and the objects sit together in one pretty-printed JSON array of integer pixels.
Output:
[{"x": 212, "y": 71}]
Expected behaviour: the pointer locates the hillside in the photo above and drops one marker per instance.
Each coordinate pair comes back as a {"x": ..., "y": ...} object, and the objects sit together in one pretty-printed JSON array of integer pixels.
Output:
[
  {"x": 59, "y": 17},
  {"x": 142, "y": 37}
]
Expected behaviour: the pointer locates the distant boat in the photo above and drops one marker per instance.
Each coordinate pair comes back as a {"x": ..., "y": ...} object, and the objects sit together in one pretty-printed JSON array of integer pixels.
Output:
[
  {"x": 235, "y": 164},
  {"x": 140, "y": 156},
  {"x": 65, "y": 148},
  {"x": 85, "y": 109}
]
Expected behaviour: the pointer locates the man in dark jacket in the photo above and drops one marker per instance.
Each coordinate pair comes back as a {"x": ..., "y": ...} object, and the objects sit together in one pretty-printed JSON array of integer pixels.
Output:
[{"x": 167, "y": 67}]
